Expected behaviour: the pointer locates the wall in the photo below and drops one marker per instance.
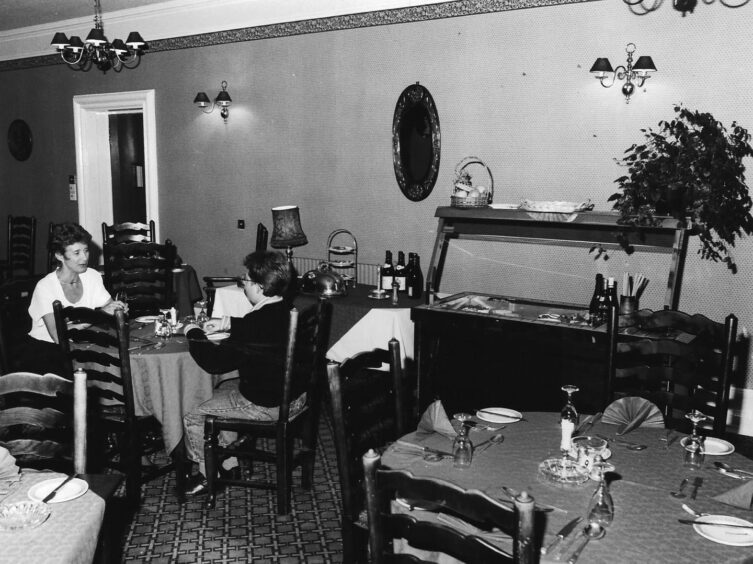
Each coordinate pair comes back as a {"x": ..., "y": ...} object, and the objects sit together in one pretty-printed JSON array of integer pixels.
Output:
[{"x": 311, "y": 125}]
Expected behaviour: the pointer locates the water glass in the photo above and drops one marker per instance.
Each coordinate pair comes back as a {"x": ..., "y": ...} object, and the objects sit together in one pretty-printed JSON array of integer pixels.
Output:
[
  {"x": 694, "y": 455},
  {"x": 462, "y": 449}
]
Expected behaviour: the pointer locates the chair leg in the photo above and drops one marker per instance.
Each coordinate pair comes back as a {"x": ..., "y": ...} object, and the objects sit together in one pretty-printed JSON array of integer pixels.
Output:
[
  {"x": 284, "y": 473},
  {"x": 179, "y": 460},
  {"x": 210, "y": 460}
]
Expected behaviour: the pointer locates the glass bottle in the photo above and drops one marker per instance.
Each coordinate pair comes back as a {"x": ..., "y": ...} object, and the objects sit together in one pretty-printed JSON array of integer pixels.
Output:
[
  {"x": 612, "y": 300},
  {"x": 462, "y": 449},
  {"x": 415, "y": 276},
  {"x": 387, "y": 273},
  {"x": 603, "y": 307},
  {"x": 400, "y": 272},
  {"x": 593, "y": 308}
]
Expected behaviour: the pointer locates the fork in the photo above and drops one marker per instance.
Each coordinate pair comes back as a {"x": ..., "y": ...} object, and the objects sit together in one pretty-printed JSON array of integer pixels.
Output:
[{"x": 697, "y": 483}]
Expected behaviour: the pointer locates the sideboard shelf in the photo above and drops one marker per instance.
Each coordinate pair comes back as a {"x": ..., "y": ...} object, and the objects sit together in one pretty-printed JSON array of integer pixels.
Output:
[{"x": 586, "y": 229}]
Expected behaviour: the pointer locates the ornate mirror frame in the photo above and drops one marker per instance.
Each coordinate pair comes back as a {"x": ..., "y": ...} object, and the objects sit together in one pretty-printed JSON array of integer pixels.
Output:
[{"x": 416, "y": 102}]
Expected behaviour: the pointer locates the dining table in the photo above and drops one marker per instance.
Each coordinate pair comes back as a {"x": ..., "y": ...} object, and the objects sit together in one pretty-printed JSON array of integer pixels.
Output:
[
  {"x": 359, "y": 322},
  {"x": 68, "y": 536},
  {"x": 646, "y": 526},
  {"x": 167, "y": 382}
]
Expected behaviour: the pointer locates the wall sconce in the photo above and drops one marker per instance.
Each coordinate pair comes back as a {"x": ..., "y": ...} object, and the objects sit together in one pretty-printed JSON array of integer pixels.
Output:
[
  {"x": 286, "y": 229},
  {"x": 633, "y": 75},
  {"x": 222, "y": 100}
]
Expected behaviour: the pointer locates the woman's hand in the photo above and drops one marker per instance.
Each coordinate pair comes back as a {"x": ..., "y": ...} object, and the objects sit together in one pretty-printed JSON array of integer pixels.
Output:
[{"x": 112, "y": 305}]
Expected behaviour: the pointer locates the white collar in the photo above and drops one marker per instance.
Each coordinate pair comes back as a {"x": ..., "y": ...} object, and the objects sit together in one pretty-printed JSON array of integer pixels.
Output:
[{"x": 266, "y": 300}]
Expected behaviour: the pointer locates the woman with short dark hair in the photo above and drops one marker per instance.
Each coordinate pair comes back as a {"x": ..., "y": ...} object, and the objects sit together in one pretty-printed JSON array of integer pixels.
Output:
[{"x": 256, "y": 394}]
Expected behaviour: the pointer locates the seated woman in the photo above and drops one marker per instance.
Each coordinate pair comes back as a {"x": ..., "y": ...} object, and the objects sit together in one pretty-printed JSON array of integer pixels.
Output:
[
  {"x": 256, "y": 394},
  {"x": 74, "y": 284}
]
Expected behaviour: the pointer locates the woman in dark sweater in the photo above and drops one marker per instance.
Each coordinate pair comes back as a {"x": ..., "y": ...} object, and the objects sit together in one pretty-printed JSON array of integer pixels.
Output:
[{"x": 256, "y": 394}]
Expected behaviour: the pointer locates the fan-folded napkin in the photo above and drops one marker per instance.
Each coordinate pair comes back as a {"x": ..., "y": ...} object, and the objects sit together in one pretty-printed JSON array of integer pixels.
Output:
[
  {"x": 435, "y": 420},
  {"x": 740, "y": 496},
  {"x": 8, "y": 468},
  {"x": 632, "y": 412}
]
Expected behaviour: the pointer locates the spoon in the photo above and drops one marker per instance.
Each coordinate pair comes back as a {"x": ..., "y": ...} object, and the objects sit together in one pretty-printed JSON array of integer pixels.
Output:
[
  {"x": 693, "y": 511},
  {"x": 497, "y": 439},
  {"x": 678, "y": 494},
  {"x": 592, "y": 531},
  {"x": 727, "y": 468}
]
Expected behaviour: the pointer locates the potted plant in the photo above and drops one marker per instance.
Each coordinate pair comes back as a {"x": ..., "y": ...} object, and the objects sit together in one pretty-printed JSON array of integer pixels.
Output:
[{"x": 690, "y": 168}]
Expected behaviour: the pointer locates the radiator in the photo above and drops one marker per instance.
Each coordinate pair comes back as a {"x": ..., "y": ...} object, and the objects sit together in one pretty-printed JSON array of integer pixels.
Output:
[{"x": 366, "y": 273}]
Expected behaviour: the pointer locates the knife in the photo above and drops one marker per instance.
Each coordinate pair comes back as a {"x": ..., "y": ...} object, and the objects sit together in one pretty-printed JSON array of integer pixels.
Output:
[
  {"x": 52, "y": 494},
  {"x": 692, "y": 522},
  {"x": 564, "y": 532},
  {"x": 585, "y": 427}
]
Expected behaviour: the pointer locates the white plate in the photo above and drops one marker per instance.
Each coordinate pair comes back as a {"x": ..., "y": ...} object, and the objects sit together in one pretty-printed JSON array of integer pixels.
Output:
[
  {"x": 504, "y": 206},
  {"x": 73, "y": 489},
  {"x": 22, "y": 515},
  {"x": 723, "y": 535},
  {"x": 499, "y": 415},
  {"x": 146, "y": 319},
  {"x": 713, "y": 446},
  {"x": 218, "y": 336}
]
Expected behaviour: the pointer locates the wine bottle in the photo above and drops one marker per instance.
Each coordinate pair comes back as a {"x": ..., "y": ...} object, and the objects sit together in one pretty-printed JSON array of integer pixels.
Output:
[
  {"x": 415, "y": 279},
  {"x": 387, "y": 273},
  {"x": 593, "y": 308},
  {"x": 603, "y": 307},
  {"x": 612, "y": 293},
  {"x": 400, "y": 274}
]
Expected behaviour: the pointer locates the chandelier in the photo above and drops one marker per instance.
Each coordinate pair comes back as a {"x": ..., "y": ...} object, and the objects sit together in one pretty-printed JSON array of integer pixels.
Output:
[{"x": 97, "y": 50}]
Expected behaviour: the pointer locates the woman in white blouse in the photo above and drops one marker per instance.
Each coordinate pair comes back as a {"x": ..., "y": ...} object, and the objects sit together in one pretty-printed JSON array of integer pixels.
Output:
[{"x": 74, "y": 284}]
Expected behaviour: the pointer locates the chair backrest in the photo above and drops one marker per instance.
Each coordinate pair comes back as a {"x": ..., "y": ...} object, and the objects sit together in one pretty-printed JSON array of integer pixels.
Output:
[
  {"x": 22, "y": 233},
  {"x": 128, "y": 232},
  {"x": 309, "y": 359},
  {"x": 52, "y": 262},
  {"x": 15, "y": 323},
  {"x": 98, "y": 343},
  {"x": 688, "y": 365},
  {"x": 473, "y": 506},
  {"x": 43, "y": 423},
  {"x": 367, "y": 412},
  {"x": 144, "y": 271},
  {"x": 262, "y": 235}
]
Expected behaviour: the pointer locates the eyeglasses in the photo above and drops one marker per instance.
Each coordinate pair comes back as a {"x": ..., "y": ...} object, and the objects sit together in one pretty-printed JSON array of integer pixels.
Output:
[{"x": 243, "y": 280}]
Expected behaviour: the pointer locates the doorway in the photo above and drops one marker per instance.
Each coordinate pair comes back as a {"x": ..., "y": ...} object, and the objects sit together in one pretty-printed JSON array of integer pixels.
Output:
[{"x": 98, "y": 195}]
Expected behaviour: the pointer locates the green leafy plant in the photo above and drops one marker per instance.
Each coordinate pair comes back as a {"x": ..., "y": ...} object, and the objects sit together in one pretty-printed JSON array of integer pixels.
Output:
[{"x": 690, "y": 168}]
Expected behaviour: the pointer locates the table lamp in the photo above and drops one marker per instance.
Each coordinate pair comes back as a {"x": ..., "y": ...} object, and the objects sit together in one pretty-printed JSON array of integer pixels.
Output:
[{"x": 286, "y": 229}]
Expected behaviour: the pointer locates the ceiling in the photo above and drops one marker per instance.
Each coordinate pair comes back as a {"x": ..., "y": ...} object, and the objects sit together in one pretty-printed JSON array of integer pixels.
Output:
[{"x": 24, "y": 13}]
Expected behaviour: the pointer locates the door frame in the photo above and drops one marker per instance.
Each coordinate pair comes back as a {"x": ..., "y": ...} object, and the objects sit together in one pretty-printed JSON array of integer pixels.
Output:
[{"x": 93, "y": 173}]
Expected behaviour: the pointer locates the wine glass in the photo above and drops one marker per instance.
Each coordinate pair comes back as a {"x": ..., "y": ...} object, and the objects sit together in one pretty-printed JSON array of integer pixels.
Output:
[
  {"x": 601, "y": 506},
  {"x": 462, "y": 447},
  {"x": 201, "y": 317},
  {"x": 694, "y": 454},
  {"x": 569, "y": 413}
]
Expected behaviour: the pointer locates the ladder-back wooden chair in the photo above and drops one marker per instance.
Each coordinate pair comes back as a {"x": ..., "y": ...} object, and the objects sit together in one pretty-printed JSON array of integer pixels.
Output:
[
  {"x": 368, "y": 412},
  {"x": 22, "y": 235},
  {"x": 304, "y": 361},
  {"x": 383, "y": 486},
  {"x": 687, "y": 363},
  {"x": 15, "y": 323},
  {"x": 98, "y": 343},
  {"x": 144, "y": 271},
  {"x": 128, "y": 232}
]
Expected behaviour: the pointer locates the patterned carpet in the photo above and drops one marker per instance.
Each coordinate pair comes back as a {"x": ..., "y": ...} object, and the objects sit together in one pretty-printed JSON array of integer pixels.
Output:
[{"x": 244, "y": 526}]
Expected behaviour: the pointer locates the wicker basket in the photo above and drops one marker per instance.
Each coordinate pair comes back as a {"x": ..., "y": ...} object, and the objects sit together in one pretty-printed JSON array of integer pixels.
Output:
[{"x": 472, "y": 201}]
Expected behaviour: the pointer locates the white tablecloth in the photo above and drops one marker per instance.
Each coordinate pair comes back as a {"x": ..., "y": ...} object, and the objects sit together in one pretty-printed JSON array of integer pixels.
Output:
[
  {"x": 230, "y": 301},
  {"x": 374, "y": 331}
]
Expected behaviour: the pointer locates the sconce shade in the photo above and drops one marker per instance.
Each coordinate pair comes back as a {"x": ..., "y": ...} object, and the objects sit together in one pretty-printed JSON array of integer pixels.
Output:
[
  {"x": 644, "y": 65},
  {"x": 602, "y": 65},
  {"x": 286, "y": 229},
  {"x": 119, "y": 47},
  {"x": 59, "y": 40},
  {"x": 76, "y": 43},
  {"x": 201, "y": 100},
  {"x": 223, "y": 98},
  {"x": 96, "y": 37}
]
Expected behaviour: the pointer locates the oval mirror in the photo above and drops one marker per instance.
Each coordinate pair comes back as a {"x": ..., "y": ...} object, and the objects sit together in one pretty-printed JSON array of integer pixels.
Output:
[{"x": 415, "y": 142}]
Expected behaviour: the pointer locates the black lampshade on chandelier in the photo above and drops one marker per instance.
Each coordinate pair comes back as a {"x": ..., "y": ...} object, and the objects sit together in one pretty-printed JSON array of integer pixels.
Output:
[{"x": 97, "y": 50}]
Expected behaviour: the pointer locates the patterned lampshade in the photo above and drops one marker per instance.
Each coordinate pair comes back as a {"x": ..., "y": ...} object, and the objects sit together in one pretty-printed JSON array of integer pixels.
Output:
[{"x": 286, "y": 228}]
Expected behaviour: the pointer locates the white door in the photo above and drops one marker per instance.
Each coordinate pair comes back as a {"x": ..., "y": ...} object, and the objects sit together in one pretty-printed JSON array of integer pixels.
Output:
[{"x": 91, "y": 122}]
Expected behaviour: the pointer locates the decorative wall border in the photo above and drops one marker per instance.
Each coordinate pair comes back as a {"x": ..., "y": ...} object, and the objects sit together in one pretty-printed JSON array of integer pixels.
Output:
[{"x": 412, "y": 14}]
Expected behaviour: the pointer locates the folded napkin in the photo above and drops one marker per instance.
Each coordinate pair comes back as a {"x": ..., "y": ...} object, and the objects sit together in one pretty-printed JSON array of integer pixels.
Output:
[
  {"x": 435, "y": 420},
  {"x": 8, "y": 468},
  {"x": 632, "y": 412},
  {"x": 741, "y": 496}
]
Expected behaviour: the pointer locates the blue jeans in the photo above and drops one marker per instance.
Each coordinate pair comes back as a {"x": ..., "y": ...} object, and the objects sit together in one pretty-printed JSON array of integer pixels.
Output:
[{"x": 227, "y": 401}]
